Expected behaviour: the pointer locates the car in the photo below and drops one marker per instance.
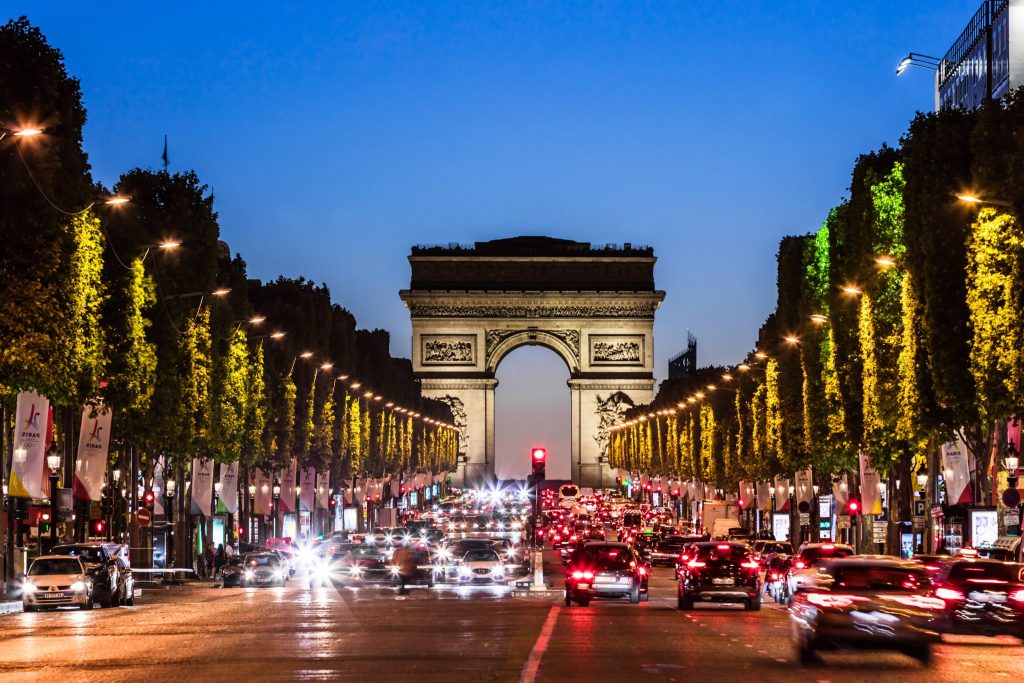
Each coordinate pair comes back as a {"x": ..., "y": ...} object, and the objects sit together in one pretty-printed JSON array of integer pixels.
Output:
[
  {"x": 56, "y": 581},
  {"x": 425, "y": 568},
  {"x": 867, "y": 603},
  {"x": 364, "y": 564},
  {"x": 933, "y": 563},
  {"x": 112, "y": 579},
  {"x": 719, "y": 571},
  {"x": 602, "y": 569},
  {"x": 481, "y": 565},
  {"x": 765, "y": 550},
  {"x": 981, "y": 597},
  {"x": 231, "y": 574},
  {"x": 804, "y": 566},
  {"x": 666, "y": 551},
  {"x": 264, "y": 569}
]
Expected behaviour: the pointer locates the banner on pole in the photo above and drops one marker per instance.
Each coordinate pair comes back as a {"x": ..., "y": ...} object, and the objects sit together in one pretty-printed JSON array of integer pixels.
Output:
[
  {"x": 956, "y": 472},
  {"x": 804, "y": 489},
  {"x": 93, "y": 449},
  {"x": 158, "y": 487},
  {"x": 841, "y": 491},
  {"x": 781, "y": 494},
  {"x": 202, "y": 486},
  {"x": 28, "y": 471},
  {"x": 307, "y": 494},
  {"x": 323, "y": 490},
  {"x": 229, "y": 487},
  {"x": 870, "y": 486},
  {"x": 764, "y": 496},
  {"x": 263, "y": 497}
]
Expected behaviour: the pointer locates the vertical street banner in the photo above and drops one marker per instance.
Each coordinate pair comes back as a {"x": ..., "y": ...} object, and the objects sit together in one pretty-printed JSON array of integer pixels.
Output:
[
  {"x": 1013, "y": 435},
  {"x": 287, "y": 500},
  {"x": 956, "y": 472},
  {"x": 323, "y": 490},
  {"x": 746, "y": 494},
  {"x": 396, "y": 487},
  {"x": 263, "y": 498},
  {"x": 93, "y": 447},
  {"x": 229, "y": 487},
  {"x": 781, "y": 494},
  {"x": 804, "y": 482},
  {"x": 764, "y": 496},
  {"x": 158, "y": 487},
  {"x": 870, "y": 486},
  {"x": 28, "y": 469},
  {"x": 202, "y": 486},
  {"x": 841, "y": 491},
  {"x": 307, "y": 494}
]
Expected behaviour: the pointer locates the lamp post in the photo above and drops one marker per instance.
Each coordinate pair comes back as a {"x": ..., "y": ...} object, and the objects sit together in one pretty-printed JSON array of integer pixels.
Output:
[
  {"x": 277, "y": 499},
  {"x": 169, "y": 486},
  {"x": 53, "y": 462},
  {"x": 248, "y": 516}
]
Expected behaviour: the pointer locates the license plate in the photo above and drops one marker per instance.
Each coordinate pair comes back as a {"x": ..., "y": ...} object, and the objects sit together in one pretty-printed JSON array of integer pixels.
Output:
[
  {"x": 987, "y": 597},
  {"x": 583, "y": 586},
  {"x": 723, "y": 582},
  {"x": 53, "y": 595}
]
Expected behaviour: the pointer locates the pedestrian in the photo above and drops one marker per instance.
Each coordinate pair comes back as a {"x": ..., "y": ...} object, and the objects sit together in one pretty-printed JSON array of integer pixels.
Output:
[
  {"x": 219, "y": 558},
  {"x": 405, "y": 562},
  {"x": 208, "y": 557}
]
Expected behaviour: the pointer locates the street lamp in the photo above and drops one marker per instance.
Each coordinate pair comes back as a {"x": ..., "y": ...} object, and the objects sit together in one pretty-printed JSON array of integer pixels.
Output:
[
  {"x": 277, "y": 498},
  {"x": 974, "y": 199},
  {"x": 53, "y": 462},
  {"x": 919, "y": 60}
]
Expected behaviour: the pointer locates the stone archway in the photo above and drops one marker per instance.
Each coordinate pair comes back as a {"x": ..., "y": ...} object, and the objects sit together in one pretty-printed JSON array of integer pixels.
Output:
[{"x": 594, "y": 307}]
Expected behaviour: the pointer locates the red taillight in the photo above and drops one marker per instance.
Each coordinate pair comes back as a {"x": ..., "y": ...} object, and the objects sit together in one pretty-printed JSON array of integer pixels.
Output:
[
  {"x": 750, "y": 565},
  {"x": 800, "y": 564},
  {"x": 919, "y": 601},
  {"x": 1017, "y": 596},
  {"x": 642, "y": 571},
  {"x": 828, "y": 546},
  {"x": 684, "y": 558},
  {"x": 832, "y": 599},
  {"x": 582, "y": 575},
  {"x": 948, "y": 594},
  {"x": 723, "y": 546},
  {"x": 775, "y": 576},
  {"x": 932, "y": 567},
  {"x": 573, "y": 537},
  {"x": 696, "y": 564}
]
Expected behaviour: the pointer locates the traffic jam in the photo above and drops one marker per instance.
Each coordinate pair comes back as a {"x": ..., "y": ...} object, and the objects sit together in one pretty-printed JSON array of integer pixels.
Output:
[{"x": 597, "y": 545}]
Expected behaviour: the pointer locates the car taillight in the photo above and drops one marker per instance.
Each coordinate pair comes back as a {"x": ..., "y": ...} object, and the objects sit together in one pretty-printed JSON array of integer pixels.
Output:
[
  {"x": 684, "y": 558},
  {"x": 723, "y": 546},
  {"x": 800, "y": 564},
  {"x": 582, "y": 575},
  {"x": 828, "y": 546},
  {"x": 1017, "y": 596},
  {"x": 948, "y": 594},
  {"x": 750, "y": 565},
  {"x": 931, "y": 567},
  {"x": 919, "y": 601},
  {"x": 775, "y": 576},
  {"x": 696, "y": 564},
  {"x": 642, "y": 571},
  {"x": 832, "y": 599}
]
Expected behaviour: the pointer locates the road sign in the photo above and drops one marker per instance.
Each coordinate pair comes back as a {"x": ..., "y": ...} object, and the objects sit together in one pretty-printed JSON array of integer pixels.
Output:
[{"x": 143, "y": 516}]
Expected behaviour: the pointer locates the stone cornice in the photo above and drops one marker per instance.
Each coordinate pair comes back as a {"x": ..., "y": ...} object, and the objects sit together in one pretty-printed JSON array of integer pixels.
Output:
[{"x": 531, "y": 304}]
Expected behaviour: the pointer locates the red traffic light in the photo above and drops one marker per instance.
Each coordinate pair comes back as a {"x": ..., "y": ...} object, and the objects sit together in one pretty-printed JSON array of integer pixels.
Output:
[
  {"x": 45, "y": 517},
  {"x": 98, "y": 527},
  {"x": 539, "y": 454},
  {"x": 854, "y": 507},
  {"x": 148, "y": 497}
]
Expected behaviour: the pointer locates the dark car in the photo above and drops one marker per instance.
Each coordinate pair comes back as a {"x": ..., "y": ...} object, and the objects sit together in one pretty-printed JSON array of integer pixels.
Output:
[
  {"x": 982, "y": 597},
  {"x": 425, "y": 568},
  {"x": 666, "y": 551},
  {"x": 264, "y": 569},
  {"x": 720, "y": 572},
  {"x": 112, "y": 580},
  {"x": 231, "y": 575},
  {"x": 365, "y": 564},
  {"x": 867, "y": 604},
  {"x": 765, "y": 550},
  {"x": 933, "y": 563},
  {"x": 605, "y": 570}
]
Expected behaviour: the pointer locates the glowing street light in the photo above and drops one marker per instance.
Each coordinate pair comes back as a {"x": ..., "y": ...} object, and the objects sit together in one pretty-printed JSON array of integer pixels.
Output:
[
  {"x": 974, "y": 199},
  {"x": 885, "y": 261},
  {"x": 761, "y": 355},
  {"x": 851, "y": 290},
  {"x": 327, "y": 366},
  {"x": 791, "y": 339},
  {"x": 277, "y": 335},
  {"x": 819, "y": 319},
  {"x": 919, "y": 60},
  {"x": 306, "y": 354},
  {"x": 256, "y": 320},
  {"x": 743, "y": 367}
]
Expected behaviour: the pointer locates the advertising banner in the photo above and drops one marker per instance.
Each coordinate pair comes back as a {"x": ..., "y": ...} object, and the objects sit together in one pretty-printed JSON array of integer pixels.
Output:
[
  {"x": 202, "y": 486},
  {"x": 764, "y": 496},
  {"x": 286, "y": 502},
  {"x": 93, "y": 448},
  {"x": 323, "y": 490},
  {"x": 870, "y": 486},
  {"x": 28, "y": 471},
  {"x": 229, "y": 488},
  {"x": 841, "y": 491},
  {"x": 159, "y": 488},
  {"x": 746, "y": 494},
  {"x": 956, "y": 472},
  {"x": 804, "y": 480},
  {"x": 262, "y": 500},
  {"x": 307, "y": 492},
  {"x": 781, "y": 494},
  {"x": 1013, "y": 435}
]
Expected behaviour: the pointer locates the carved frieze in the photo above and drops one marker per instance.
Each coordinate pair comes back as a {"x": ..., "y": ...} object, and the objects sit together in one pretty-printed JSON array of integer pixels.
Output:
[
  {"x": 608, "y": 349},
  {"x": 510, "y": 311},
  {"x": 448, "y": 349},
  {"x": 609, "y": 413}
]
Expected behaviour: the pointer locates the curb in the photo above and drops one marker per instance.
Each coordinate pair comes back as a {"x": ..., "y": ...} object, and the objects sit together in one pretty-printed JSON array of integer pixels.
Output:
[{"x": 10, "y": 607}]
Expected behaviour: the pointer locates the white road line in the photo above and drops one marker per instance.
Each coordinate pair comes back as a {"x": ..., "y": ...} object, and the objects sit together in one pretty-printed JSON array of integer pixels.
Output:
[{"x": 532, "y": 666}]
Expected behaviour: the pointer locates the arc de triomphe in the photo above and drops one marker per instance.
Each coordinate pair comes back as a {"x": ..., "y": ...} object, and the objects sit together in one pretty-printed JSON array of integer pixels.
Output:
[{"x": 594, "y": 307}]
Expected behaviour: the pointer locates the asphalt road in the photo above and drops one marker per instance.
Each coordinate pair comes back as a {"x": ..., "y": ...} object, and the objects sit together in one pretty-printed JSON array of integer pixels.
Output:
[{"x": 445, "y": 634}]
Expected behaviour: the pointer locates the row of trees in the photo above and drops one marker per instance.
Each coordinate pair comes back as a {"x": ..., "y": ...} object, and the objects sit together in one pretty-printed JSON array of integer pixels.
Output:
[
  {"x": 899, "y": 325},
  {"x": 142, "y": 308}
]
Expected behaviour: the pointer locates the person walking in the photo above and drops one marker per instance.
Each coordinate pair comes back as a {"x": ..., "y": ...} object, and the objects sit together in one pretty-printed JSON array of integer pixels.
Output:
[
  {"x": 219, "y": 559},
  {"x": 208, "y": 556},
  {"x": 405, "y": 562}
]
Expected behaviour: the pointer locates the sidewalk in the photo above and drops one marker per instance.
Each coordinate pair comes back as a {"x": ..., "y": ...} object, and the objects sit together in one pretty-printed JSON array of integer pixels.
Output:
[{"x": 10, "y": 607}]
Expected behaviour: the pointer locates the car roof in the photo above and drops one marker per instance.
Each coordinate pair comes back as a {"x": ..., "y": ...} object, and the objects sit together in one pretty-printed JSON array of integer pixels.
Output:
[
  {"x": 56, "y": 557},
  {"x": 887, "y": 561},
  {"x": 82, "y": 545}
]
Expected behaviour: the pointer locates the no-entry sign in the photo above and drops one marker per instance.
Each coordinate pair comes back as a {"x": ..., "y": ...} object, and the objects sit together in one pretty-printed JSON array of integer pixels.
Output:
[{"x": 143, "y": 516}]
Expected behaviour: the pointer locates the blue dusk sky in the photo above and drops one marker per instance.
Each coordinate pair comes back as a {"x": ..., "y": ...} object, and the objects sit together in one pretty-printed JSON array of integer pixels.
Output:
[{"x": 338, "y": 134}]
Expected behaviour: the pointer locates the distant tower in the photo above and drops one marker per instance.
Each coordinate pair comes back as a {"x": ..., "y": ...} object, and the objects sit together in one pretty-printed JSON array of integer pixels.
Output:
[{"x": 682, "y": 364}]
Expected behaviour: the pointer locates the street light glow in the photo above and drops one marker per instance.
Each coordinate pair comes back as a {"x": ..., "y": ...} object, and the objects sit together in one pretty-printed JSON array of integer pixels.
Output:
[
  {"x": 277, "y": 335},
  {"x": 743, "y": 367},
  {"x": 791, "y": 339},
  {"x": 852, "y": 291},
  {"x": 256, "y": 320},
  {"x": 969, "y": 198},
  {"x": 904, "y": 65},
  {"x": 885, "y": 261},
  {"x": 116, "y": 200},
  {"x": 761, "y": 355},
  {"x": 306, "y": 354},
  {"x": 169, "y": 244},
  {"x": 27, "y": 132},
  {"x": 819, "y": 319},
  {"x": 223, "y": 291},
  {"x": 327, "y": 366}
]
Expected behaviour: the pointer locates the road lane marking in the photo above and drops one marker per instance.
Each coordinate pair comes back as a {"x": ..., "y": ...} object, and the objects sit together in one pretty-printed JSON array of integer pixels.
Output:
[{"x": 532, "y": 666}]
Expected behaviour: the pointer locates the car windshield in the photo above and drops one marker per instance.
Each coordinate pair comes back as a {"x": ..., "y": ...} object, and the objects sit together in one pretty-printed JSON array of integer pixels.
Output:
[
  {"x": 632, "y": 519},
  {"x": 56, "y": 565},
  {"x": 672, "y": 543},
  {"x": 984, "y": 572},
  {"x": 268, "y": 560},
  {"x": 722, "y": 552},
  {"x": 480, "y": 556},
  {"x": 880, "y": 578},
  {"x": 604, "y": 557},
  {"x": 86, "y": 553},
  {"x": 366, "y": 554},
  {"x": 811, "y": 556}
]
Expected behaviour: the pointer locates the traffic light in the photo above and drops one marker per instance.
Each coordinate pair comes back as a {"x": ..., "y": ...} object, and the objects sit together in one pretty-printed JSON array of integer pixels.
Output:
[
  {"x": 854, "y": 507},
  {"x": 332, "y": 503},
  {"x": 44, "y": 523},
  {"x": 98, "y": 527},
  {"x": 147, "y": 500},
  {"x": 539, "y": 458}
]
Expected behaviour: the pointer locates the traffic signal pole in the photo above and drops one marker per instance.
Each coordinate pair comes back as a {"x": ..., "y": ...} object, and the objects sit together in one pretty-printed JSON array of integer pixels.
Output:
[{"x": 538, "y": 462}]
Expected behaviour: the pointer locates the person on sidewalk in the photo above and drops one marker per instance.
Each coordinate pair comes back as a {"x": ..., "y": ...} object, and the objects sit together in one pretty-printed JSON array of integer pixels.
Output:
[{"x": 219, "y": 560}]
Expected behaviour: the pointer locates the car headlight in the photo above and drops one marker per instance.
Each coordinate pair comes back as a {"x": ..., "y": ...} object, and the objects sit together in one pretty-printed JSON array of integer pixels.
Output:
[
  {"x": 78, "y": 586},
  {"x": 394, "y": 570},
  {"x": 28, "y": 587},
  {"x": 249, "y": 574},
  {"x": 356, "y": 571},
  {"x": 464, "y": 571}
]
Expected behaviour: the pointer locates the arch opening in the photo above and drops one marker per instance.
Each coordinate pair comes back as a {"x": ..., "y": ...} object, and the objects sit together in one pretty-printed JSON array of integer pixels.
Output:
[{"x": 532, "y": 408}]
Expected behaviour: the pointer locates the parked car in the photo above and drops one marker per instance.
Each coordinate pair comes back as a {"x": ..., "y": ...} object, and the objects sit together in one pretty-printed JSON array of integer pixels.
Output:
[
  {"x": 720, "y": 572},
  {"x": 866, "y": 603},
  {"x": 56, "y": 581},
  {"x": 112, "y": 579},
  {"x": 982, "y": 597},
  {"x": 231, "y": 574}
]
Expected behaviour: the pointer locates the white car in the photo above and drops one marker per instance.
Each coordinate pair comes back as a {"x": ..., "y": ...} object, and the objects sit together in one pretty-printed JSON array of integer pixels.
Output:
[
  {"x": 56, "y": 581},
  {"x": 481, "y": 566}
]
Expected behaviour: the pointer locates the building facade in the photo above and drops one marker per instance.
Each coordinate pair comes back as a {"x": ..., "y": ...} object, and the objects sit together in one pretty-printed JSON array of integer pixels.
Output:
[{"x": 987, "y": 59}]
